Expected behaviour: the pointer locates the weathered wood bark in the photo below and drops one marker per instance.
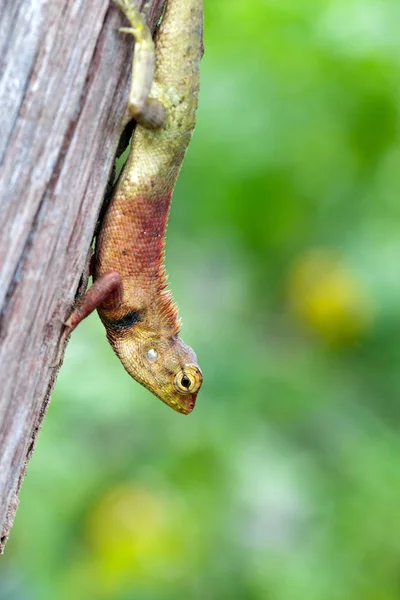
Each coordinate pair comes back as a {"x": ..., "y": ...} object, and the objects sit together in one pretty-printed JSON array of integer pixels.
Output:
[{"x": 64, "y": 75}]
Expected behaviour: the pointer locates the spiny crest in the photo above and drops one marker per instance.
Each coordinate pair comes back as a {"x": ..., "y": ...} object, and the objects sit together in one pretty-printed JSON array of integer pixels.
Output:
[
  {"x": 166, "y": 305},
  {"x": 162, "y": 278},
  {"x": 169, "y": 311}
]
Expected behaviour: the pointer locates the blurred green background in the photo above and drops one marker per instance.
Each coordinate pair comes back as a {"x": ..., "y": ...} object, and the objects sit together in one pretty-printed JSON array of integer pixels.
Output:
[{"x": 283, "y": 253}]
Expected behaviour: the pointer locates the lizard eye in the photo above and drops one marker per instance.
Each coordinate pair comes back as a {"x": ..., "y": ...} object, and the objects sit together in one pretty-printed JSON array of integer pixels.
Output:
[
  {"x": 189, "y": 380},
  {"x": 186, "y": 382},
  {"x": 152, "y": 355}
]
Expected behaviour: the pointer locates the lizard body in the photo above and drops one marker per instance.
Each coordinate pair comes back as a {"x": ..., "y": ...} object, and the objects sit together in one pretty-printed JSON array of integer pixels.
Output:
[{"x": 129, "y": 288}]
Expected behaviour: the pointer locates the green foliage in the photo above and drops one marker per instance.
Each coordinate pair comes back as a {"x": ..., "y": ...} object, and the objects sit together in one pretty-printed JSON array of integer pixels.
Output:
[{"x": 283, "y": 252}]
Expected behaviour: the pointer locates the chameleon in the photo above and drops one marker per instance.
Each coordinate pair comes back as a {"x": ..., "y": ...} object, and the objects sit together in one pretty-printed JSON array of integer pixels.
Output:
[{"x": 129, "y": 287}]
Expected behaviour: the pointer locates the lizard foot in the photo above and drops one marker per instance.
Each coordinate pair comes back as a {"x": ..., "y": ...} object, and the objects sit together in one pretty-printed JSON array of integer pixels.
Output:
[
  {"x": 146, "y": 111},
  {"x": 106, "y": 292}
]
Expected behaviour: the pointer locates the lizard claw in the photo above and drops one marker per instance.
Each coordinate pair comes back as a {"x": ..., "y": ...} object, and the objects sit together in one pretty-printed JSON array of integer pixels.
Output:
[
  {"x": 61, "y": 346},
  {"x": 128, "y": 30}
]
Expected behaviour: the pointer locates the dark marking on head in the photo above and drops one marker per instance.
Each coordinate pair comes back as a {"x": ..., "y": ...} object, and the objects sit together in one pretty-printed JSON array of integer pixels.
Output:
[
  {"x": 126, "y": 322},
  {"x": 124, "y": 253}
]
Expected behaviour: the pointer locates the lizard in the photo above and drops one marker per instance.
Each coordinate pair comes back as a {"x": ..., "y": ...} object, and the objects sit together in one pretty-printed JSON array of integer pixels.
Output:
[{"x": 129, "y": 287}]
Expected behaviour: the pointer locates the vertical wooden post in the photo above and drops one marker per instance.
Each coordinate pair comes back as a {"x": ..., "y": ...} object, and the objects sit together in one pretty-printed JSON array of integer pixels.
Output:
[{"x": 64, "y": 78}]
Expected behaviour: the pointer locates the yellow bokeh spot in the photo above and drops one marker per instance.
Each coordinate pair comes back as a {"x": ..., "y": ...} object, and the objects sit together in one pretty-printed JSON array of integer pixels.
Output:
[
  {"x": 134, "y": 534},
  {"x": 326, "y": 295}
]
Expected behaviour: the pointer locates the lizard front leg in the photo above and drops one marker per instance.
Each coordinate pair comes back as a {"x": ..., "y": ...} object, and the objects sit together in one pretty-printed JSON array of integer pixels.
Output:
[{"x": 106, "y": 293}]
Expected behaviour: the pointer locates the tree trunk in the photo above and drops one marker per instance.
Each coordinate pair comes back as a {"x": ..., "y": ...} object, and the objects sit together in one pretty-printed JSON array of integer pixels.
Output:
[{"x": 64, "y": 77}]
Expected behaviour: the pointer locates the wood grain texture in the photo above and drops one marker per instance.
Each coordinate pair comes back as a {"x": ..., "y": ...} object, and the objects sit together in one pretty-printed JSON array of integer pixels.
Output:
[{"x": 64, "y": 79}]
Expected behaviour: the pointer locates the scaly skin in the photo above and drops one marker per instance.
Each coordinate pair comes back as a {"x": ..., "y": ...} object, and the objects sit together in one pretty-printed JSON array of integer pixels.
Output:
[{"x": 143, "y": 327}]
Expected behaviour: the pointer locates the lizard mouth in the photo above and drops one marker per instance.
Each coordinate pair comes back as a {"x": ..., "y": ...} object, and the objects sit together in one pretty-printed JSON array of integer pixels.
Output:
[
  {"x": 186, "y": 410},
  {"x": 185, "y": 405}
]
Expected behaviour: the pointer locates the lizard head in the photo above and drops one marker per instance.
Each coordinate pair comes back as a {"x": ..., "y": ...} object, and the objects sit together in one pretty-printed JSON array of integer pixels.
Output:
[{"x": 164, "y": 364}]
